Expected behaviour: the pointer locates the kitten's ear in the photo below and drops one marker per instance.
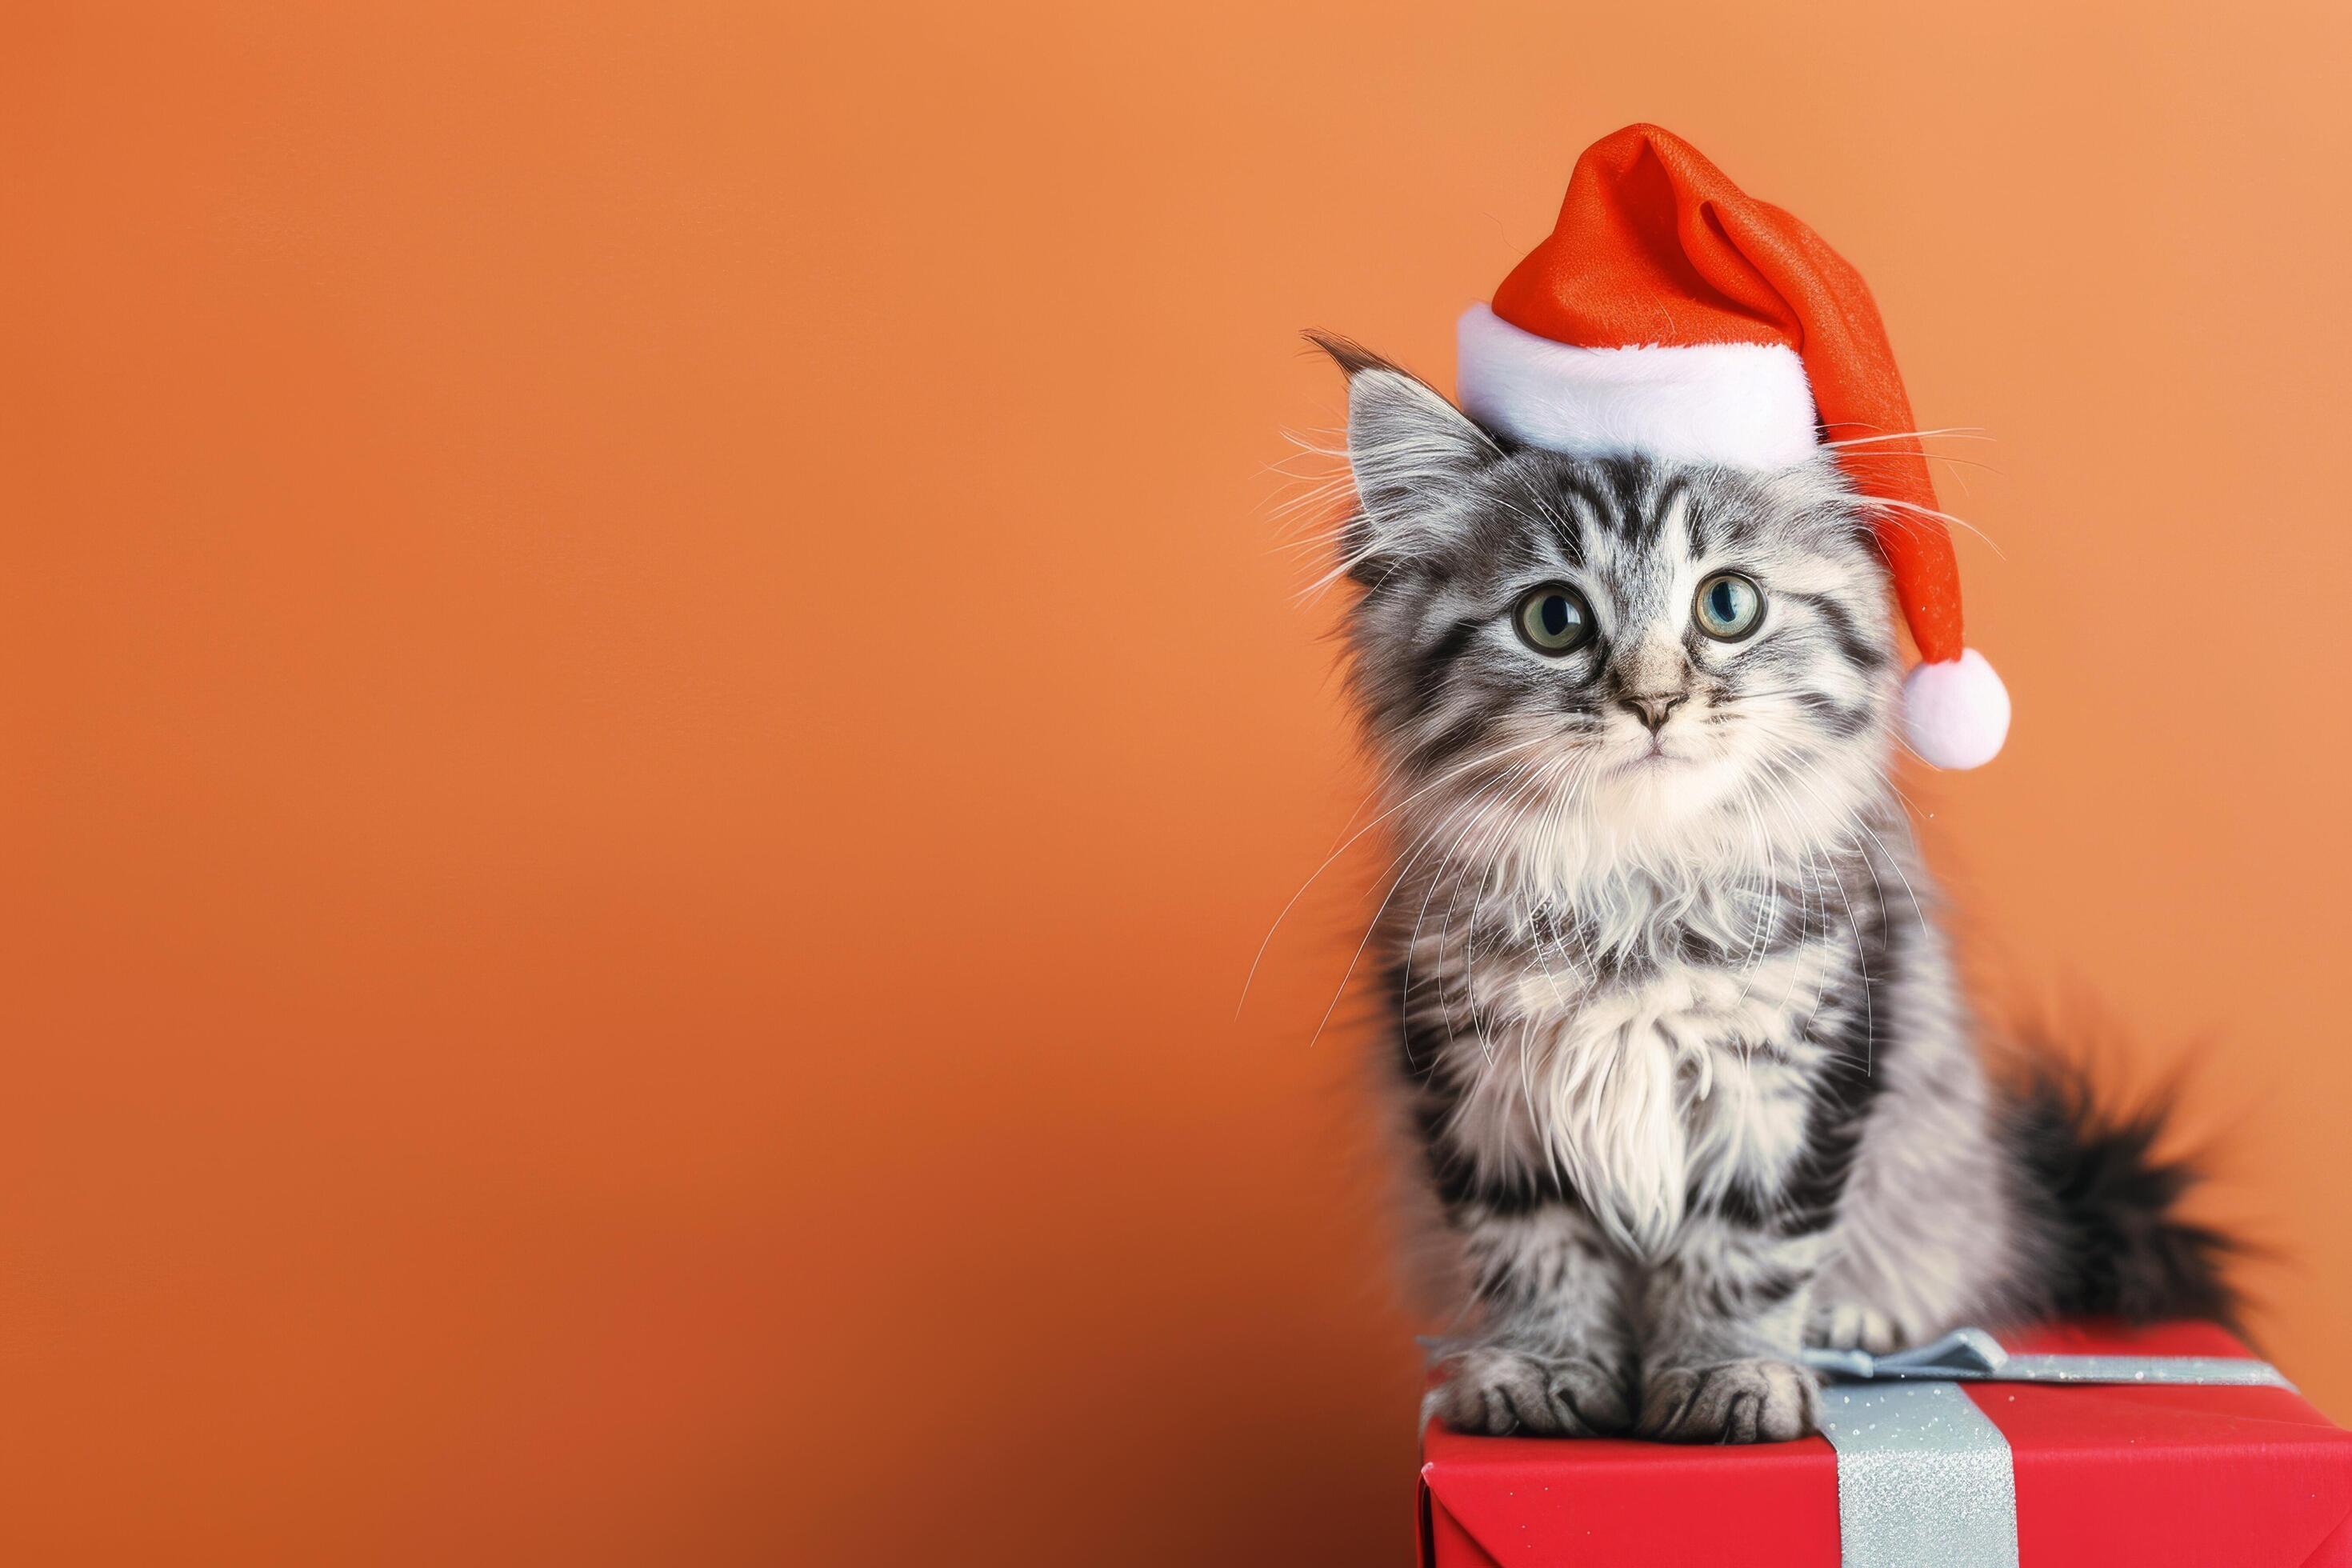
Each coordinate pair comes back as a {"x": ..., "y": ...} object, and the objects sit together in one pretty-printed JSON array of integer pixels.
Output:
[{"x": 1413, "y": 453}]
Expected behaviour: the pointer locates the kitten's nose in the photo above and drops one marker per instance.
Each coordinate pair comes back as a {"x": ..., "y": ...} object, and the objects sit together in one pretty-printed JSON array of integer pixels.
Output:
[{"x": 1653, "y": 711}]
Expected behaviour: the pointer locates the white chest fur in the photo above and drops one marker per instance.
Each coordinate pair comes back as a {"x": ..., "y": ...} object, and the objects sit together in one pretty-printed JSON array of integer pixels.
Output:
[{"x": 1646, "y": 1092}]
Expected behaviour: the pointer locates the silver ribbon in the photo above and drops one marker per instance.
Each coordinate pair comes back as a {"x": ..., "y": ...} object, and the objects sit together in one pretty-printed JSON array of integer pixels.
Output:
[
  {"x": 1924, "y": 1475},
  {"x": 1966, "y": 1355}
]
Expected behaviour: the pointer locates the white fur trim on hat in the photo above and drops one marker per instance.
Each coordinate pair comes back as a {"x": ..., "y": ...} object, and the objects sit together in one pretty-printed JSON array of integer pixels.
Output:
[
  {"x": 1956, "y": 714},
  {"x": 1744, "y": 405}
]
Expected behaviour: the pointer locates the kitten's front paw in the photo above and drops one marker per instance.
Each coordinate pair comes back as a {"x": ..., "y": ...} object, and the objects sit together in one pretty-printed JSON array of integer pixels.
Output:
[
  {"x": 1848, "y": 1327},
  {"x": 1757, "y": 1400},
  {"x": 1494, "y": 1392}
]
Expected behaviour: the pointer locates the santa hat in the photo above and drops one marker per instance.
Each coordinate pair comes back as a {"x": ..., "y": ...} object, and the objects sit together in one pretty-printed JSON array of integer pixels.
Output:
[{"x": 1672, "y": 314}]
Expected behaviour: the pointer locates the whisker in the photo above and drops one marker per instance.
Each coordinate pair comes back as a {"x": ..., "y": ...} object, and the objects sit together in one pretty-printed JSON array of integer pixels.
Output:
[
  {"x": 1943, "y": 517},
  {"x": 1956, "y": 432},
  {"x": 1465, "y": 768}
]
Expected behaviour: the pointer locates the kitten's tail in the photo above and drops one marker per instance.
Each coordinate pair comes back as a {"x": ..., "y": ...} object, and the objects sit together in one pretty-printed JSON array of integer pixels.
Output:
[{"x": 2103, "y": 1205}]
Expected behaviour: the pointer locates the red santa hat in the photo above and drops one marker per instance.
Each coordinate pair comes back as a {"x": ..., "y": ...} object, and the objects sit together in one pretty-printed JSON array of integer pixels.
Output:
[{"x": 1672, "y": 314}]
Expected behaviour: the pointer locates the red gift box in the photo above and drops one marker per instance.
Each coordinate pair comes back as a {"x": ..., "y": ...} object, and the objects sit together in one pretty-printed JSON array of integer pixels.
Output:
[{"x": 2197, "y": 1476}]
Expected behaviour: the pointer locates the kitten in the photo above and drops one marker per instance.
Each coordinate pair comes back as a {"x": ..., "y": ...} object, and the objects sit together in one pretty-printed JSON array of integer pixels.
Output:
[{"x": 1676, "y": 1030}]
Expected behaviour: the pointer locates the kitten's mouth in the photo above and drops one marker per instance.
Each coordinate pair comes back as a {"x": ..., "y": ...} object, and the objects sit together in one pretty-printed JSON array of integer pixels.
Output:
[
  {"x": 1654, "y": 758},
  {"x": 1657, "y": 759}
]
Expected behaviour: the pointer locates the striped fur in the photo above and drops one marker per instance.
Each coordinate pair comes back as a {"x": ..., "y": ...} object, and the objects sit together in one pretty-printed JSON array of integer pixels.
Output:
[{"x": 1676, "y": 1029}]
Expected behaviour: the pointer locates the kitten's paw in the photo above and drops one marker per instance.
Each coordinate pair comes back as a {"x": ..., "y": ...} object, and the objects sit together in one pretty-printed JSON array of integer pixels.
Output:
[
  {"x": 1757, "y": 1400},
  {"x": 1494, "y": 1392},
  {"x": 1848, "y": 1327}
]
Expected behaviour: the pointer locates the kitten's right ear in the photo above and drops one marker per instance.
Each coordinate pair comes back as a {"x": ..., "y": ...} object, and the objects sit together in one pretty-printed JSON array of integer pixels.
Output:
[{"x": 1413, "y": 452}]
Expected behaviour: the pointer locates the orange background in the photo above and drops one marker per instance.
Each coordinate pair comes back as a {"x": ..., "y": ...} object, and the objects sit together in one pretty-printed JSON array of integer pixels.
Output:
[{"x": 653, "y": 713}]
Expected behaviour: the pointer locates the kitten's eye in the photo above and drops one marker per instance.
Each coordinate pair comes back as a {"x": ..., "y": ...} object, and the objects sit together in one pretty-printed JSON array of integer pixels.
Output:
[
  {"x": 1730, "y": 606},
  {"x": 1554, "y": 619}
]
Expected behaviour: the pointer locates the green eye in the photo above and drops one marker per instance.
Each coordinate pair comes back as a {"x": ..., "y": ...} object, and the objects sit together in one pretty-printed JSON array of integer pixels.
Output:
[
  {"x": 1730, "y": 606},
  {"x": 1554, "y": 619}
]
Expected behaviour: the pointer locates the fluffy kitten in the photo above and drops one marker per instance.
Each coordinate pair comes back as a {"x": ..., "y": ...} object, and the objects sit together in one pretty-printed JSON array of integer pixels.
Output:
[{"x": 1678, "y": 1035}]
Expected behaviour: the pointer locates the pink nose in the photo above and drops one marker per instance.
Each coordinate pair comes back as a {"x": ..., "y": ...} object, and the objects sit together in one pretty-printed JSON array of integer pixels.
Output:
[{"x": 1653, "y": 711}]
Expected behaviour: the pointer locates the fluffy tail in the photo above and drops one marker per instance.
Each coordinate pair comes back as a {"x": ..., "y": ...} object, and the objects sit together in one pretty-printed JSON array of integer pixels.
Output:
[{"x": 2103, "y": 1204}]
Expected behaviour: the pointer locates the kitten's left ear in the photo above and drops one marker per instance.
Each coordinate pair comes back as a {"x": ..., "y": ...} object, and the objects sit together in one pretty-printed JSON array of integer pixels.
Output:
[{"x": 1413, "y": 452}]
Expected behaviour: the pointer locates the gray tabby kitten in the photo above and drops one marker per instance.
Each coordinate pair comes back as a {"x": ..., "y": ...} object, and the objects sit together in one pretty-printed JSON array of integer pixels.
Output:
[{"x": 1677, "y": 1034}]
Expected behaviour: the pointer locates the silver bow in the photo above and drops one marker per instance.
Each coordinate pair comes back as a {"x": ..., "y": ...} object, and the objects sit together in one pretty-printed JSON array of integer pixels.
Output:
[{"x": 1972, "y": 1355}]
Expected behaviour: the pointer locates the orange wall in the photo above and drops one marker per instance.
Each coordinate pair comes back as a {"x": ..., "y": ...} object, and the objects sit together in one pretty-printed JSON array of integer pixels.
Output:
[{"x": 652, "y": 717}]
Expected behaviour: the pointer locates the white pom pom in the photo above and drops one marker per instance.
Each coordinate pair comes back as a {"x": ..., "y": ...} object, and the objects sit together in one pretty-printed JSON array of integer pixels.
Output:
[{"x": 1956, "y": 714}]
